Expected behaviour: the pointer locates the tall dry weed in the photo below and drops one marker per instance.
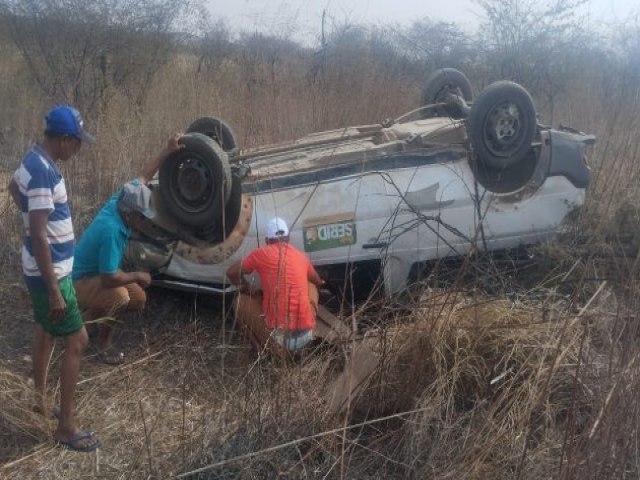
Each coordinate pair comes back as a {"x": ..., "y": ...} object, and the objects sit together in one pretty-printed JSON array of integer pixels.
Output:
[{"x": 507, "y": 382}]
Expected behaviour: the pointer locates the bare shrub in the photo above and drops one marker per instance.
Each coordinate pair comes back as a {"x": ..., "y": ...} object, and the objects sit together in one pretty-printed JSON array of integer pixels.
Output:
[
  {"x": 532, "y": 43},
  {"x": 79, "y": 51},
  {"x": 436, "y": 45}
]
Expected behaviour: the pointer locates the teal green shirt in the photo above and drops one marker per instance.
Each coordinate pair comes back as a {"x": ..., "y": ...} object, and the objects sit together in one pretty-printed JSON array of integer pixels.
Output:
[{"x": 103, "y": 244}]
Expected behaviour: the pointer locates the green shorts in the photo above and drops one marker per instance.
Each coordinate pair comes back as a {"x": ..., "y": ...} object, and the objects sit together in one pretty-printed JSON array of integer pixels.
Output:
[{"x": 72, "y": 321}]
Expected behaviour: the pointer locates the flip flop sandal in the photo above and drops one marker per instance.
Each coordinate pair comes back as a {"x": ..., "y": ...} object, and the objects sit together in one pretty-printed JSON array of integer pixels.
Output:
[
  {"x": 72, "y": 443},
  {"x": 111, "y": 357}
]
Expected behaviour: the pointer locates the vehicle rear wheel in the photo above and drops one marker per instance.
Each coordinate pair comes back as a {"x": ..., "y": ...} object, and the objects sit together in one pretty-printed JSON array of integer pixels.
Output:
[
  {"x": 439, "y": 86},
  {"x": 502, "y": 125},
  {"x": 216, "y": 129},
  {"x": 195, "y": 181}
]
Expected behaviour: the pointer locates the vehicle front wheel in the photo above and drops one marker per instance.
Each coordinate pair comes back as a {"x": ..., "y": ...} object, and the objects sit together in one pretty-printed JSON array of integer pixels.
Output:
[
  {"x": 502, "y": 125},
  {"x": 195, "y": 181}
]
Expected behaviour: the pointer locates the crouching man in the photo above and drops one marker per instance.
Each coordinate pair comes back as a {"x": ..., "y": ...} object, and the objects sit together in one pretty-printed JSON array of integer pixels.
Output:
[
  {"x": 281, "y": 316},
  {"x": 102, "y": 288}
]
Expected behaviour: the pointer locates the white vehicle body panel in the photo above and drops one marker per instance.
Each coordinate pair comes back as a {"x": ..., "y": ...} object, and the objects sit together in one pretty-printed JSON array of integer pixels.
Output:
[
  {"x": 440, "y": 181},
  {"x": 410, "y": 214}
]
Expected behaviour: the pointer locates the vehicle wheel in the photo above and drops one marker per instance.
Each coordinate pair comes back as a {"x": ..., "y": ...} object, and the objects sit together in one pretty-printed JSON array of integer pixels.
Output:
[
  {"x": 502, "y": 125},
  {"x": 195, "y": 181},
  {"x": 216, "y": 129},
  {"x": 439, "y": 86},
  {"x": 217, "y": 231},
  {"x": 217, "y": 253}
]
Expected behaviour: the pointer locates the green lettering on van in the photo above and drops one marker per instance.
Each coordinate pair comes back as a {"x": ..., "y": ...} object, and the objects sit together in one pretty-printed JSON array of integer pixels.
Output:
[{"x": 329, "y": 235}]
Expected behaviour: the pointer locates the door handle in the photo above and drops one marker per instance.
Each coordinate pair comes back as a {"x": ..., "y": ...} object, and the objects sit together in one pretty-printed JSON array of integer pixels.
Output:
[{"x": 378, "y": 245}]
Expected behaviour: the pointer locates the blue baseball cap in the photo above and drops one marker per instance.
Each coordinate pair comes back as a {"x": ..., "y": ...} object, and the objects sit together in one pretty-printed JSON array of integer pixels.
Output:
[{"x": 65, "y": 120}]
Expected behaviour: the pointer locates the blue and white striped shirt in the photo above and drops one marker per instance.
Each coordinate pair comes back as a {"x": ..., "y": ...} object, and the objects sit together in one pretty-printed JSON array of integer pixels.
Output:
[{"x": 42, "y": 187}]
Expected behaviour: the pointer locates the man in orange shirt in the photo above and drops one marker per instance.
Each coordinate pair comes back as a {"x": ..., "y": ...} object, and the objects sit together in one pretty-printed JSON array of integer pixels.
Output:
[{"x": 285, "y": 309}]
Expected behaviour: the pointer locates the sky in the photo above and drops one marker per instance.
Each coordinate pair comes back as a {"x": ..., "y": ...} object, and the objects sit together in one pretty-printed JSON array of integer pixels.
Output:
[{"x": 301, "y": 19}]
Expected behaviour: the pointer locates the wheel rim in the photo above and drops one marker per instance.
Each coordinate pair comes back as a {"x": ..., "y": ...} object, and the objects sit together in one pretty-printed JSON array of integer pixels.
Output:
[
  {"x": 192, "y": 185},
  {"x": 503, "y": 129}
]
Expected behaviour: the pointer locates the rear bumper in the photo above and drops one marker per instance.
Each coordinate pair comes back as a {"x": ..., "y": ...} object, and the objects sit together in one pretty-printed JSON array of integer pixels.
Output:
[{"x": 568, "y": 157}]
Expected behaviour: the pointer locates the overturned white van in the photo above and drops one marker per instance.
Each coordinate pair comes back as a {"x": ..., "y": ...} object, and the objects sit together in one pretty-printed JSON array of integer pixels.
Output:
[{"x": 454, "y": 175}]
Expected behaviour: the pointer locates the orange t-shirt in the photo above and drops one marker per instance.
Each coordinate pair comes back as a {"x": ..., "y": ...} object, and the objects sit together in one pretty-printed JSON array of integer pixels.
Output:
[{"x": 284, "y": 276}]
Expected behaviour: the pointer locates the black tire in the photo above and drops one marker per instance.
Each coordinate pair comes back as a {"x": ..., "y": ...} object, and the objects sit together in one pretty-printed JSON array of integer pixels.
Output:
[
  {"x": 216, "y": 129},
  {"x": 502, "y": 125},
  {"x": 195, "y": 182},
  {"x": 219, "y": 230},
  {"x": 439, "y": 85}
]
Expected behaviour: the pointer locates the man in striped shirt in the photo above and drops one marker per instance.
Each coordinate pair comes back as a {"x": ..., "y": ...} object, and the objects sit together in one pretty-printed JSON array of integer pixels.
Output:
[{"x": 38, "y": 189}]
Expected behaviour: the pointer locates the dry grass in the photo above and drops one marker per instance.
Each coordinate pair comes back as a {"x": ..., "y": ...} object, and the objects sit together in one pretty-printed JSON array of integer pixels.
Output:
[
  {"x": 469, "y": 386},
  {"x": 484, "y": 376},
  {"x": 492, "y": 377}
]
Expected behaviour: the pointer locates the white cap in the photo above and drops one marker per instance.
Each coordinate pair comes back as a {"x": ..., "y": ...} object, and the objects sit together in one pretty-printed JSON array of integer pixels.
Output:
[{"x": 277, "y": 227}]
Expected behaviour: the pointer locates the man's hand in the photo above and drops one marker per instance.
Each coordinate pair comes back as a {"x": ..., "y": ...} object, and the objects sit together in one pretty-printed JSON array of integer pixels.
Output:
[
  {"x": 38, "y": 231},
  {"x": 14, "y": 191},
  {"x": 57, "y": 306},
  {"x": 173, "y": 145},
  {"x": 314, "y": 278},
  {"x": 152, "y": 166},
  {"x": 120, "y": 279},
  {"x": 235, "y": 275},
  {"x": 143, "y": 279},
  {"x": 250, "y": 290}
]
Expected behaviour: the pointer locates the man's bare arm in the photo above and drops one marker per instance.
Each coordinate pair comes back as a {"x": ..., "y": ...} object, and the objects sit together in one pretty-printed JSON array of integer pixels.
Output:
[
  {"x": 120, "y": 279},
  {"x": 315, "y": 278},
  {"x": 14, "y": 191},
  {"x": 235, "y": 274},
  {"x": 151, "y": 167},
  {"x": 40, "y": 245}
]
